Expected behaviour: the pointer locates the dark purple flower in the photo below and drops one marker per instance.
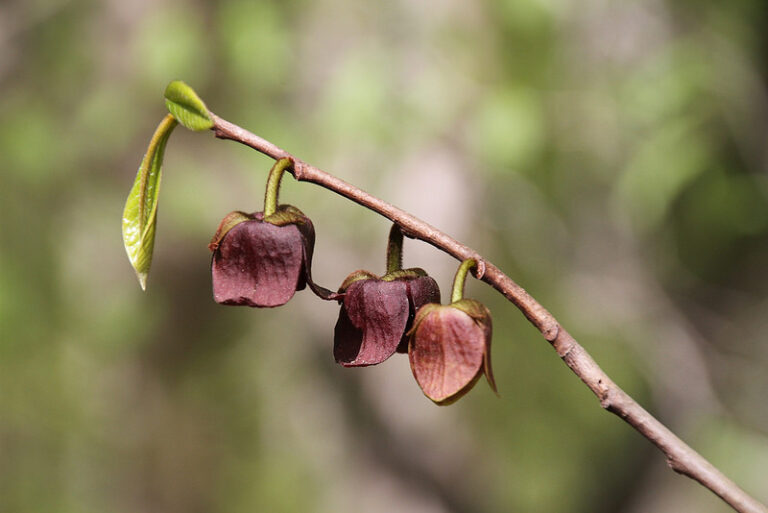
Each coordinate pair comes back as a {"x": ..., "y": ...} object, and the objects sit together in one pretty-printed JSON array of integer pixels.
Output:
[
  {"x": 258, "y": 262},
  {"x": 449, "y": 348},
  {"x": 377, "y": 312}
]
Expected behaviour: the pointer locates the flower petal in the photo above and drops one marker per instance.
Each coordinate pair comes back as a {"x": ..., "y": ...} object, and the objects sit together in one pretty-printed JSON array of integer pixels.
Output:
[
  {"x": 482, "y": 316},
  {"x": 378, "y": 312},
  {"x": 421, "y": 290}
]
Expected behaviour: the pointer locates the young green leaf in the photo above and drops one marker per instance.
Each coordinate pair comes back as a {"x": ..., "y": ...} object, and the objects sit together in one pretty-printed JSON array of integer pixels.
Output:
[
  {"x": 140, "y": 214},
  {"x": 182, "y": 101}
]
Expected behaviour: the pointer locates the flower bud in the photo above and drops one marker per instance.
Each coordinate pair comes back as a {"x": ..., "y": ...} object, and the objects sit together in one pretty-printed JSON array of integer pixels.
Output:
[
  {"x": 377, "y": 312},
  {"x": 261, "y": 262},
  {"x": 449, "y": 348}
]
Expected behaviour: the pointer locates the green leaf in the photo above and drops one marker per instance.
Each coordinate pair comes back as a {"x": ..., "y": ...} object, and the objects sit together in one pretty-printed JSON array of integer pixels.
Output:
[
  {"x": 140, "y": 214},
  {"x": 182, "y": 101}
]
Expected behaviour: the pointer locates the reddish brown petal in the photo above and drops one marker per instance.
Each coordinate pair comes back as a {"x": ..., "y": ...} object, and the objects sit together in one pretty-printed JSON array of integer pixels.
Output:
[
  {"x": 258, "y": 264},
  {"x": 289, "y": 215},
  {"x": 421, "y": 290},
  {"x": 372, "y": 320},
  {"x": 347, "y": 340},
  {"x": 447, "y": 353}
]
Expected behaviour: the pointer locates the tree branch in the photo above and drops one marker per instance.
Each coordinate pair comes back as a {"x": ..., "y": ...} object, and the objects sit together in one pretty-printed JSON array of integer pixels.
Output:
[{"x": 680, "y": 457}]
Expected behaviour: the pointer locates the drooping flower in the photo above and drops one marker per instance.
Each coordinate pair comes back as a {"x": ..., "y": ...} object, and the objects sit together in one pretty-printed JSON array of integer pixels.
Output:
[
  {"x": 450, "y": 345},
  {"x": 262, "y": 259},
  {"x": 377, "y": 312},
  {"x": 261, "y": 262}
]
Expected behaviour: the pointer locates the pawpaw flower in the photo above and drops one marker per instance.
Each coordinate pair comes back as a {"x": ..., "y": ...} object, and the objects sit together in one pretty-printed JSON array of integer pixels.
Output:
[
  {"x": 260, "y": 261},
  {"x": 377, "y": 312},
  {"x": 450, "y": 345}
]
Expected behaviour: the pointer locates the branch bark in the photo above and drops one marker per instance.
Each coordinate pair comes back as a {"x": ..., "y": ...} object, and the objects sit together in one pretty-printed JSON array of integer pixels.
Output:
[{"x": 680, "y": 457}]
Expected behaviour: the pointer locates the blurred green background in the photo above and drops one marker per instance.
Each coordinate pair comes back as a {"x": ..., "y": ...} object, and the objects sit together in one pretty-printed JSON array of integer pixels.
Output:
[{"x": 609, "y": 156}]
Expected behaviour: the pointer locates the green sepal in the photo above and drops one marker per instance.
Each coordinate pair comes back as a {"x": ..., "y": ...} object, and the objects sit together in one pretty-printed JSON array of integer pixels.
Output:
[
  {"x": 187, "y": 107},
  {"x": 475, "y": 309},
  {"x": 404, "y": 274},
  {"x": 230, "y": 221},
  {"x": 140, "y": 213},
  {"x": 356, "y": 276},
  {"x": 286, "y": 214}
]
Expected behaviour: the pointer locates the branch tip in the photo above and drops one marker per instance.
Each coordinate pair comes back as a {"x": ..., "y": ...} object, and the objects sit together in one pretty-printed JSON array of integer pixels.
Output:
[{"x": 479, "y": 267}]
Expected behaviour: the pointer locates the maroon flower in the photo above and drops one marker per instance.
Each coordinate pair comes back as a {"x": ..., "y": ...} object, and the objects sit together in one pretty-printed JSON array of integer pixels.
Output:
[
  {"x": 377, "y": 312},
  {"x": 450, "y": 347},
  {"x": 261, "y": 262}
]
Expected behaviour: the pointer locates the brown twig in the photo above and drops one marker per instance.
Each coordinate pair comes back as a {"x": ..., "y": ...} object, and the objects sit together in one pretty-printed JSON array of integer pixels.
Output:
[{"x": 680, "y": 457}]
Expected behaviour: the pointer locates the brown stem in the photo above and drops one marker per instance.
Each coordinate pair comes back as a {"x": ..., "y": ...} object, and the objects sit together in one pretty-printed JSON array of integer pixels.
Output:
[{"x": 680, "y": 457}]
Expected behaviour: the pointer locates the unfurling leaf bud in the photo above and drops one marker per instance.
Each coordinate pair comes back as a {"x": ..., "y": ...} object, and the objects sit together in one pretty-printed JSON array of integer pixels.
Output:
[
  {"x": 186, "y": 106},
  {"x": 140, "y": 214},
  {"x": 260, "y": 261}
]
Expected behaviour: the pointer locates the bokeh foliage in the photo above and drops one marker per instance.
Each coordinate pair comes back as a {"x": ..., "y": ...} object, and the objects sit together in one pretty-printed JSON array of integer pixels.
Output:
[{"x": 610, "y": 156}]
